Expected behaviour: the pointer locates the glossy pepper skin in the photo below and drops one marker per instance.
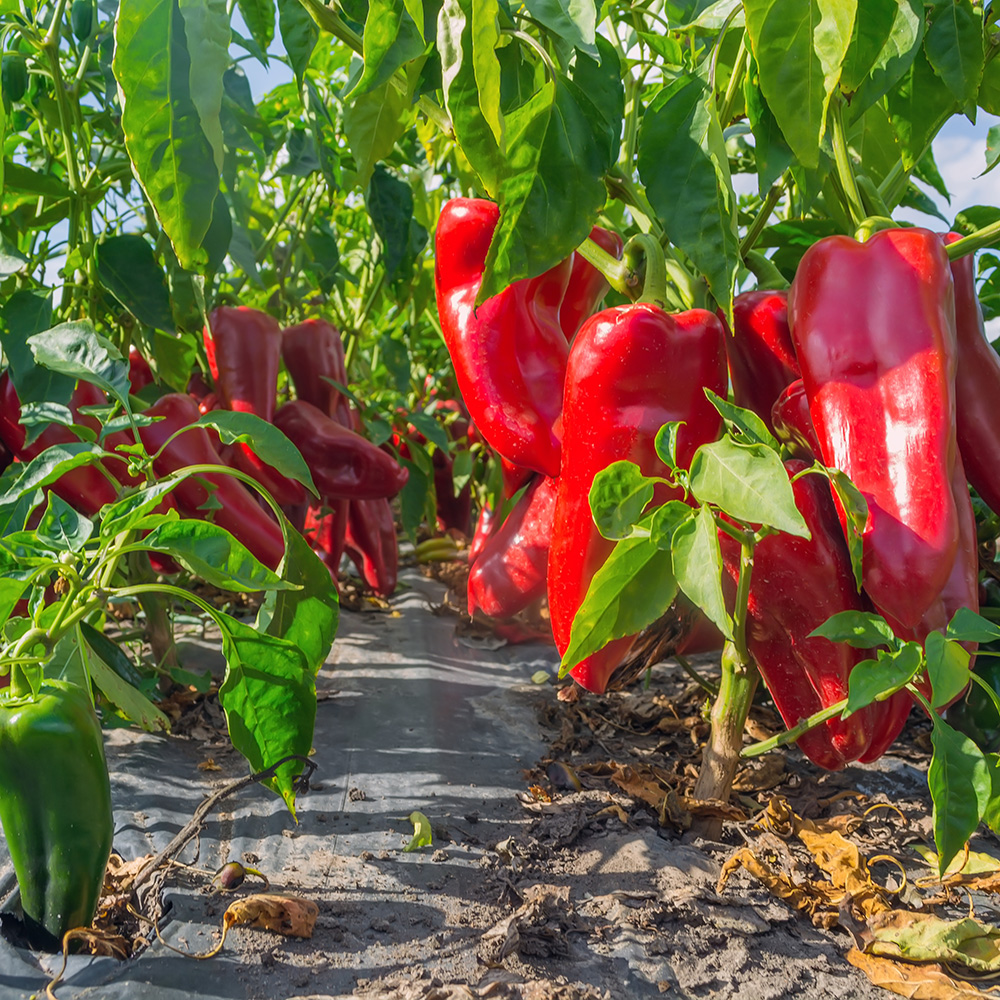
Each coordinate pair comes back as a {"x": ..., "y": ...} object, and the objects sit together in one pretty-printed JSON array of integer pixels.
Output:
[
  {"x": 511, "y": 570},
  {"x": 243, "y": 346},
  {"x": 314, "y": 352},
  {"x": 791, "y": 423},
  {"x": 977, "y": 385},
  {"x": 55, "y": 805},
  {"x": 631, "y": 369},
  {"x": 325, "y": 529},
  {"x": 239, "y": 513},
  {"x": 371, "y": 544},
  {"x": 586, "y": 286},
  {"x": 761, "y": 357},
  {"x": 486, "y": 524},
  {"x": 510, "y": 353},
  {"x": 874, "y": 332},
  {"x": 344, "y": 465},
  {"x": 796, "y": 584}
]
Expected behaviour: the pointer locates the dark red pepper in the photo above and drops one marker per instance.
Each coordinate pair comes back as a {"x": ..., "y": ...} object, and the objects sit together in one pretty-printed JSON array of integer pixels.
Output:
[
  {"x": 239, "y": 512},
  {"x": 873, "y": 326},
  {"x": 761, "y": 357},
  {"x": 631, "y": 369},
  {"x": 244, "y": 354},
  {"x": 586, "y": 286},
  {"x": 139, "y": 373},
  {"x": 791, "y": 422},
  {"x": 510, "y": 353},
  {"x": 371, "y": 543},
  {"x": 510, "y": 571},
  {"x": 325, "y": 529},
  {"x": 314, "y": 352},
  {"x": 343, "y": 464}
]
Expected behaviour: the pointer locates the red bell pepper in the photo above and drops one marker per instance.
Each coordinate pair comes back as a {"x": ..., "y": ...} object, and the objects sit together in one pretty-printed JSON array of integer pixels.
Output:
[
  {"x": 977, "y": 385},
  {"x": 510, "y": 572},
  {"x": 510, "y": 353},
  {"x": 761, "y": 357},
  {"x": 239, "y": 512},
  {"x": 371, "y": 543},
  {"x": 586, "y": 286},
  {"x": 631, "y": 369},
  {"x": 244, "y": 351},
  {"x": 314, "y": 352},
  {"x": 873, "y": 326},
  {"x": 343, "y": 464},
  {"x": 796, "y": 584},
  {"x": 792, "y": 424}
]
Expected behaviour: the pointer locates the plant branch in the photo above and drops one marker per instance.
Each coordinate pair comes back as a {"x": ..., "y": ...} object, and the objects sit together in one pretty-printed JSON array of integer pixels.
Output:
[{"x": 791, "y": 735}]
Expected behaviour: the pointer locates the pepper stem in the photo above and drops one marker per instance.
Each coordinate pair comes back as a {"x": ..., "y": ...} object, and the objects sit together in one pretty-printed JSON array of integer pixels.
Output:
[
  {"x": 614, "y": 270},
  {"x": 842, "y": 158},
  {"x": 985, "y": 237},
  {"x": 646, "y": 249}
]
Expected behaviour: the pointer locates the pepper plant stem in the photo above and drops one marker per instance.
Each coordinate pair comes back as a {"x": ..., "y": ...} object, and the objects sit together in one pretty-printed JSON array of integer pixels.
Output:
[
  {"x": 985, "y": 237},
  {"x": 791, "y": 735},
  {"x": 614, "y": 270},
  {"x": 842, "y": 157}
]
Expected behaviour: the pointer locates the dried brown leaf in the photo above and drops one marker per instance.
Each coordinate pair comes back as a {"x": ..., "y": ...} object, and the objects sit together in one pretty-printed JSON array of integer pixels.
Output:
[
  {"x": 288, "y": 915},
  {"x": 916, "y": 982},
  {"x": 924, "y": 937}
]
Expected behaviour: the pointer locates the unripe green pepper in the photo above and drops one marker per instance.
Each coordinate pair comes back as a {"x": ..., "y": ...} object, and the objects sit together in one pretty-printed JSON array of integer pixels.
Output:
[
  {"x": 13, "y": 77},
  {"x": 81, "y": 19},
  {"x": 55, "y": 805}
]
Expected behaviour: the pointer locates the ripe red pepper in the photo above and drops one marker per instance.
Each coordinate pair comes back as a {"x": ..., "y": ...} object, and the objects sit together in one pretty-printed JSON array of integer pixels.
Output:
[
  {"x": 796, "y": 584},
  {"x": 371, "y": 543},
  {"x": 343, "y": 464},
  {"x": 314, "y": 352},
  {"x": 587, "y": 286},
  {"x": 139, "y": 373},
  {"x": 239, "y": 513},
  {"x": 874, "y": 332},
  {"x": 977, "y": 385},
  {"x": 244, "y": 351},
  {"x": 510, "y": 353},
  {"x": 791, "y": 422},
  {"x": 510, "y": 571},
  {"x": 761, "y": 357},
  {"x": 325, "y": 529},
  {"x": 631, "y": 369},
  {"x": 486, "y": 524}
]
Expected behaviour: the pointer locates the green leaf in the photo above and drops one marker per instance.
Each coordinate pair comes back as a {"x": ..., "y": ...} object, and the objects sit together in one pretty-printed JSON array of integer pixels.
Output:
[
  {"x": 466, "y": 43},
  {"x": 128, "y": 269},
  {"x": 876, "y": 680},
  {"x": 666, "y": 443},
  {"x": 266, "y": 441},
  {"x": 991, "y": 814},
  {"x": 299, "y": 35},
  {"x": 855, "y": 507},
  {"x": 170, "y": 109},
  {"x": 992, "y": 148},
  {"x": 213, "y": 554},
  {"x": 872, "y": 29},
  {"x": 259, "y": 18},
  {"x": 630, "y": 591},
  {"x": 954, "y": 47},
  {"x": 771, "y": 152},
  {"x": 960, "y": 785},
  {"x": 49, "y": 466},
  {"x": 74, "y": 349},
  {"x": 947, "y": 668},
  {"x": 684, "y": 165},
  {"x": 309, "y": 616},
  {"x": 989, "y": 88},
  {"x": 697, "y": 564},
  {"x": 62, "y": 527},
  {"x": 269, "y": 697},
  {"x": 461, "y": 470},
  {"x": 860, "y": 629},
  {"x": 422, "y": 834},
  {"x": 124, "y": 514},
  {"x": 618, "y": 496},
  {"x": 967, "y": 626},
  {"x": 133, "y": 704},
  {"x": 552, "y": 189},
  {"x": 391, "y": 40},
  {"x": 918, "y": 107},
  {"x": 747, "y": 482},
  {"x": 11, "y": 591},
  {"x": 665, "y": 520},
  {"x": 372, "y": 124},
  {"x": 574, "y": 21},
  {"x": 896, "y": 57},
  {"x": 415, "y": 496},
  {"x": 752, "y": 430},
  {"x": 390, "y": 206},
  {"x": 800, "y": 46},
  {"x": 431, "y": 429}
]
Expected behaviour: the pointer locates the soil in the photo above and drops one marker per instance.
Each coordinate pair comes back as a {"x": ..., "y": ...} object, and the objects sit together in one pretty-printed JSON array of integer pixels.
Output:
[{"x": 561, "y": 867}]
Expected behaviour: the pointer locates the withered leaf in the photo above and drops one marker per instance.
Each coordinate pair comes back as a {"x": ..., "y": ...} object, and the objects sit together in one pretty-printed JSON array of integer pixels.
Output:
[
  {"x": 923, "y": 937},
  {"x": 288, "y": 915},
  {"x": 916, "y": 982}
]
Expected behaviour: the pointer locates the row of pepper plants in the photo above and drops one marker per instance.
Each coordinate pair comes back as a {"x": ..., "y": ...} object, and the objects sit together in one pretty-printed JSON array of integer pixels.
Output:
[{"x": 441, "y": 198}]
